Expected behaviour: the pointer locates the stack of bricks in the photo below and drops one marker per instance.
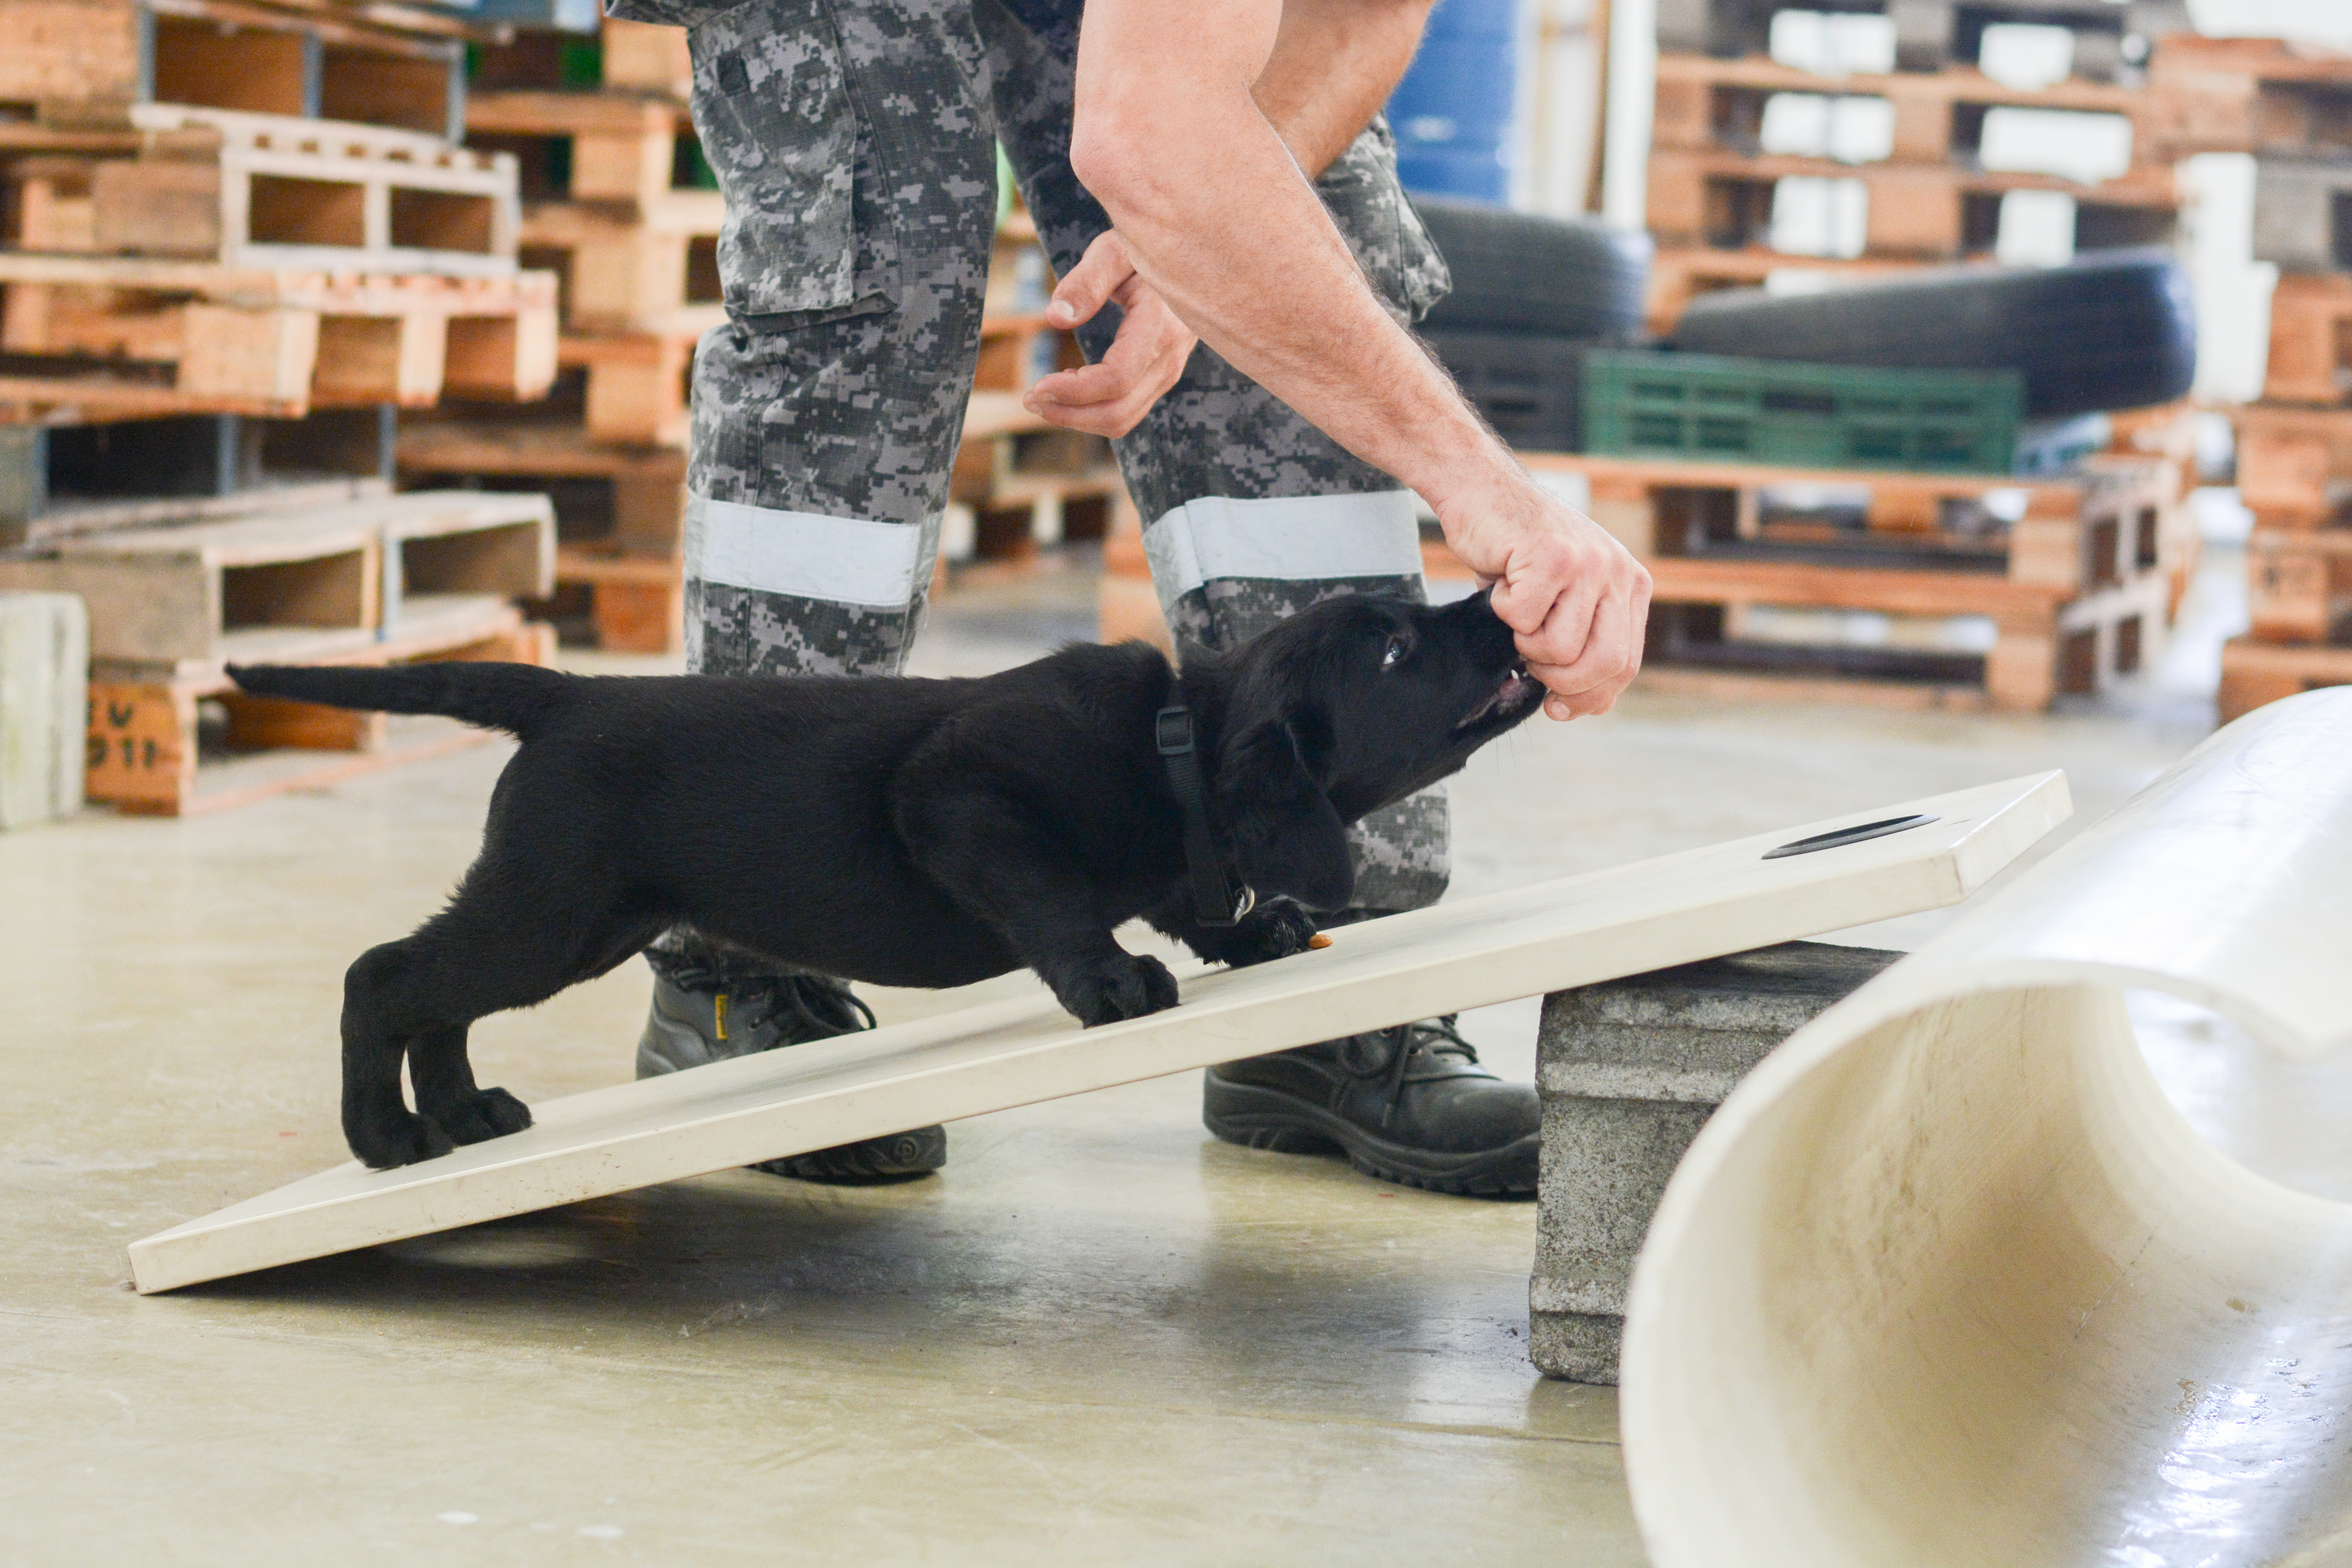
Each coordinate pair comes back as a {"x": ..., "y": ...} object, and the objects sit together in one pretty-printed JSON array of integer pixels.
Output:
[
  {"x": 2291, "y": 106},
  {"x": 1929, "y": 162}
]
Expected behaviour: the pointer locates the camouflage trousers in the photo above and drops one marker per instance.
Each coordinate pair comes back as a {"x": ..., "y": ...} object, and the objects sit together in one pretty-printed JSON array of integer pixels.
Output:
[{"x": 856, "y": 143}]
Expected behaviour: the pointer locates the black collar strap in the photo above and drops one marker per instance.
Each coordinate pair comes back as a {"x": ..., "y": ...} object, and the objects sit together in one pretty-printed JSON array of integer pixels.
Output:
[{"x": 1218, "y": 900}]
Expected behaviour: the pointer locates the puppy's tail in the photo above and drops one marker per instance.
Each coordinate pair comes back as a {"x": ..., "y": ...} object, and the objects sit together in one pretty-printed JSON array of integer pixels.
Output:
[{"x": 517, "y": 697}]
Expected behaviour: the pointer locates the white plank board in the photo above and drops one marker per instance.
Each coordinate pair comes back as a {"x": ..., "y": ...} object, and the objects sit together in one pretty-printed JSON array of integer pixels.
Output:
[{"x": 1574, "y": 932}]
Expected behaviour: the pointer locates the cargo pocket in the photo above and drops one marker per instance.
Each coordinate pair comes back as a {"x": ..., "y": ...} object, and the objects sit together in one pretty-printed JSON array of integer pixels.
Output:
[
  {"x": 779, "y": 125},
  {"x": 1362, "y": 194}
]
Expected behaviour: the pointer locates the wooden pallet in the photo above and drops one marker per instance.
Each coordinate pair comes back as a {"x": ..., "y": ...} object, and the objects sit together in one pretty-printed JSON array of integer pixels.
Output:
[
  {"x": 1925, "y": 211},
  {"x": 2299, "y": 585},
  {"x": 275, "y": 191},
  {"x": 60, "y": 479},
  {"x": 338, "y": 578},
  {"x": 2045, "y": 643},
  {"x": 654, "y": 271},
  {"x": 619, "y": 513},
  {"x": 636, "y": 387},
  {"x": 145, "y": 732},
  {"x": 2311, "y": 339},
  {"x": 2119, "y": 518},
  {"x": 1681, "y": 273},
  {"x": 2250, "y": 95},
  {"x": 2080, "y": 586},
  {"x": 86, "y": 62},
  {"x": 2295, "y": 465},
  {"x": 583, "y": 146},
  {"x": 637, "y": 603},
  {"x": 201, "y": 590},
  {"x": 645, "y": 485},
  {"x": 116, "y": 338},
  {"x": 2254, "y": 673},
  {"x": 629, "y": 57},
  {"x": 1709, "y": 104}
]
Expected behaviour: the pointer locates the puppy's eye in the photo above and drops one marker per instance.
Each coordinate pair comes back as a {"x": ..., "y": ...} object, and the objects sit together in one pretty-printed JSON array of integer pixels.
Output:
[{"x": 1394, "y": 653}]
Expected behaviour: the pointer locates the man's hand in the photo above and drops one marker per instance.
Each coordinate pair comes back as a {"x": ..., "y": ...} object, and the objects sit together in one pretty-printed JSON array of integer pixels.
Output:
[
  {"x": 1111, "y": 397},
  {"x": 1577, "y": 600}
]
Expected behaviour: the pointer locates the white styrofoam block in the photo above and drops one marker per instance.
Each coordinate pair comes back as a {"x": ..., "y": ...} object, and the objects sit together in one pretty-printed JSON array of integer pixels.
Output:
[
  {"x": 2037, "y": 228},
  {"x": 1832, "y": 43},
  {"x": 1814, "y": 216},
  {"x": 2026, "y": 57},
  {"x": 1852, "y": 130},
  {"x": 2087, "y": 147}
]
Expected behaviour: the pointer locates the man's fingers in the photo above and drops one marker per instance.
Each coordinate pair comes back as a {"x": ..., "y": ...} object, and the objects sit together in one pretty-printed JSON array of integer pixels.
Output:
[
  {"x": 1558, "y": 640},
  {"x": 1110, "y": 420},
  {"x": 1611, "y": 655},
  {"x": 1080, "y": 388},
  {"x": 1533, "y": 580},
  {"x": 1092, "y": 281}
]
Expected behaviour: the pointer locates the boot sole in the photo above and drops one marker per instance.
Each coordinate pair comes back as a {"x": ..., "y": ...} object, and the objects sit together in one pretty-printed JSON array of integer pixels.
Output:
[
  {"x": 877, "y": 1162},
  {"x": 1276, "y": 1123}
]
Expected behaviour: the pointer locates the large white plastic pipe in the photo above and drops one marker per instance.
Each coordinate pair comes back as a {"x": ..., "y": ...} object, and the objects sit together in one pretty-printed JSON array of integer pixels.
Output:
[{"x": 1949, "y": 1282}]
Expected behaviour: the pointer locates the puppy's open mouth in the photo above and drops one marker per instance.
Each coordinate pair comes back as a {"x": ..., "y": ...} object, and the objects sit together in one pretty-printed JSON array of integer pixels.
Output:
[{"x": 1518, "y": 693}]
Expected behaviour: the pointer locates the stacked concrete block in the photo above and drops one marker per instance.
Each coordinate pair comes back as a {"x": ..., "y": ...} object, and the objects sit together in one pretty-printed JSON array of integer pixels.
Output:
[
  {"x": 44, "y": 706},
  {"x": 1629, "y": 1072}
]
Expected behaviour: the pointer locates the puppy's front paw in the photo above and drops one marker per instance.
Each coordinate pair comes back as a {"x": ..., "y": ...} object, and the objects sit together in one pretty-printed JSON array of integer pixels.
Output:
[
  {"x": 1104, "y": 990},
  {"x": 402, "y": 1141},
  {"x": 483, "y": 1114},
  {"x": 1275, "y": 929}
]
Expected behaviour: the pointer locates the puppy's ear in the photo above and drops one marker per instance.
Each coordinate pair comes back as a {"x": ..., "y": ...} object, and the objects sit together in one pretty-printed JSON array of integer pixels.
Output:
[{"x": 1286, "y": 836}]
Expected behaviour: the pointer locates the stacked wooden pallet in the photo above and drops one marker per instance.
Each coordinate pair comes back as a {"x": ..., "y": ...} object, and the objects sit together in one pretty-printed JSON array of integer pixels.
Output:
[
  {"x": 1984, "y": 592},
  {"x": 1022, "y": 482},
  {"x": 382, "y": 580},
  {"x": 239, "y": 237},
  {"x": 1903, "y": 155},
  {"x": 2030, "y": 589},
  {"x": 615, "y": 205},
  {"x": 2291, "y": 106}
]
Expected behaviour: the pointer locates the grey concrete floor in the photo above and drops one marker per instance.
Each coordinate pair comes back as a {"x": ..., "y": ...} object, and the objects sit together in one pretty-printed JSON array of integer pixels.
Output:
[{"x": 1099, "y": 1335}]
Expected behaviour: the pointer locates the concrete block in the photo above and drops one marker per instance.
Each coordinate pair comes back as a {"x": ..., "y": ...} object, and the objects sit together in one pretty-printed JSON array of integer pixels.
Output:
[
  {"x": 1629, "y": 1072},
  {"x": 44, "y": 706}
]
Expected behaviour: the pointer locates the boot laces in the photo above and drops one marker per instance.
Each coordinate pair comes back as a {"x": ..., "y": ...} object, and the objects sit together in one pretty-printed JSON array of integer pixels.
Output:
[
  {"x": 1406, "y": 1044},
  {"x": 825, "y": 1006}
]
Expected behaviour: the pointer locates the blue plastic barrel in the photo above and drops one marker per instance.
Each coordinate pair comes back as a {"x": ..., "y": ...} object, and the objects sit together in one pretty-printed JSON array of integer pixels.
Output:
[{"x": 1456, "y": 110}]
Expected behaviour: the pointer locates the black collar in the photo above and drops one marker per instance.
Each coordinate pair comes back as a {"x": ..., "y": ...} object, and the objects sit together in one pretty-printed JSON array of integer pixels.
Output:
[{"x": 1218, "y": 899}]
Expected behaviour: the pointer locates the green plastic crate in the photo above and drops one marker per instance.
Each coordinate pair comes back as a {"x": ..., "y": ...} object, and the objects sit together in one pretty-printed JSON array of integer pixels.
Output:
[{"x": 1709, "y": 408}]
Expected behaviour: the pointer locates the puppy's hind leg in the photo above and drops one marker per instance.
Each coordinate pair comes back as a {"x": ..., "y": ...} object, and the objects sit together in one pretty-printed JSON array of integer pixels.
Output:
[
  {"x": 447, "y": 1095},
  {"x": 503, "y": 942}
]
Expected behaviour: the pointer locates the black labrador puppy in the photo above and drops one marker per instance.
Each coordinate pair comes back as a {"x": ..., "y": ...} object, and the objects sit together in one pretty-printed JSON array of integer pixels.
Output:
[{"x": 922, "y": 833}]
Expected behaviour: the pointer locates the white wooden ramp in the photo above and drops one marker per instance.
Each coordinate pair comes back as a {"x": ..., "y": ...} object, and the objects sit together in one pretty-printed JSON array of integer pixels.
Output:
[{"x": 1471, "y": 953}]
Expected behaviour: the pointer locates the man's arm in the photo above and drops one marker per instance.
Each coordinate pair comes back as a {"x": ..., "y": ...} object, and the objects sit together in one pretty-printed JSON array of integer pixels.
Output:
[
  {"x": 1335, "y": 62},
  {"x": 1216, "y": 216}
]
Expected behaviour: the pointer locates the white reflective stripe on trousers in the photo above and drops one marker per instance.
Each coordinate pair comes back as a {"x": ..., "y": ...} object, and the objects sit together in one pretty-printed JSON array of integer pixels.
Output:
[
  {"x": 1287, "y": 539},
  {"x": 840, "y": 559}
]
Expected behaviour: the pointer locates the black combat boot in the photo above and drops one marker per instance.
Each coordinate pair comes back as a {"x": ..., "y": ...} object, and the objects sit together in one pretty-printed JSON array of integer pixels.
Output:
[
  {"x": 1409, "y": 1104},
  {"x": 710, "y": 1006}
]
